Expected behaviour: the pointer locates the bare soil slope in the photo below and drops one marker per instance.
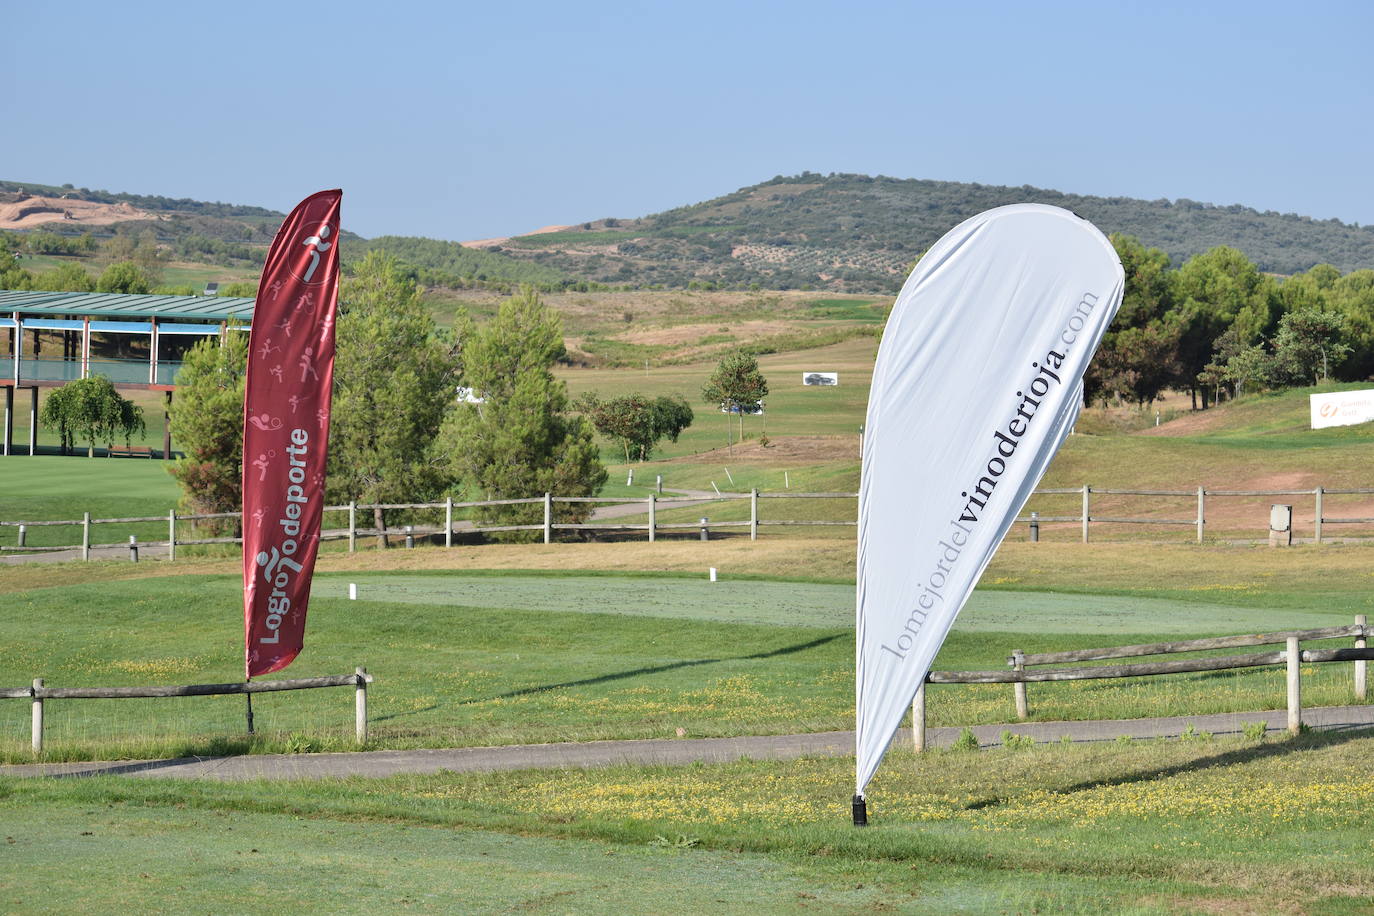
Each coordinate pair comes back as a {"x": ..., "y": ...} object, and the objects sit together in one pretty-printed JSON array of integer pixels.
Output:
[{"x": 30, "y": 212}]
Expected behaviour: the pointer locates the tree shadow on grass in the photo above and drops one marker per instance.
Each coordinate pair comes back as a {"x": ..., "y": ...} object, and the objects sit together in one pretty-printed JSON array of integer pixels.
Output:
[
  {"x": 658, "y": 669},
  {"x": 1327, "y": 737}
]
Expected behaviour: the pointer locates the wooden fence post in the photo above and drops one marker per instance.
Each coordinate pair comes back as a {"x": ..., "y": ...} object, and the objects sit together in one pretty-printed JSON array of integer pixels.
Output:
[
  {"x": 85, "y": 535},
  {"x": 352, "y": 526},
  {"x": 754, "y": 514},
  {"x": 1361, "y": 666},
  {"x": 1294, "y": 659},
  {"x": 918, "y": 719},
  {"x": 548, "y": 518},
  {"x": 172, "y": 536},
  {"x": 1086, "y": 490},
  {"x": 448, "y": 521},
  {"x": 1201, "y": 513},
  {"x": 360, "y": 704},
  {"x": 653, "y": 516},
  {"x": 1019, "y": 688},
  {"x": 1318, "y": 493},
  {"x": 37, "y": 717}
]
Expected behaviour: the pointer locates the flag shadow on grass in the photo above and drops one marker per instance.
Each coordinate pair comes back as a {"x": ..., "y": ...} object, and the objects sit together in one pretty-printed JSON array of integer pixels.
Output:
[
  {"x": 659, "y": 669},
  {"x": 1328, "y": 736}
]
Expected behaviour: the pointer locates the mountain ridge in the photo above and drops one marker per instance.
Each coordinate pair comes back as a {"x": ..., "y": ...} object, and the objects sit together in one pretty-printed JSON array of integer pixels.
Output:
[{"x": 841, "y": 232}]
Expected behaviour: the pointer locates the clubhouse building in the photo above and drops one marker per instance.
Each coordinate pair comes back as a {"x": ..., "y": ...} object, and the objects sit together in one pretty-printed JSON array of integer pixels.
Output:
[{"x": 138, "y": 342}]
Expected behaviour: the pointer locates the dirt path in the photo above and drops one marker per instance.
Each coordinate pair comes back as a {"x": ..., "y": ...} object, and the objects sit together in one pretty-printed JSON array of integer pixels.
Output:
[{"x": 673, "y": 752}]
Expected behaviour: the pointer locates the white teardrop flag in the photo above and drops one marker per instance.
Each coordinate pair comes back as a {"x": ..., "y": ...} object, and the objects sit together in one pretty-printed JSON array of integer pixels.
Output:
[{"x": 978, "y": 381}]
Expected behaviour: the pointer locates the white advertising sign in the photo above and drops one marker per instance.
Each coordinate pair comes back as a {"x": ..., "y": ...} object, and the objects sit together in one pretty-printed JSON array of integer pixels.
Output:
[
  {"x": 1342, "y": 408},
  {"x": 977, "y": 382}
]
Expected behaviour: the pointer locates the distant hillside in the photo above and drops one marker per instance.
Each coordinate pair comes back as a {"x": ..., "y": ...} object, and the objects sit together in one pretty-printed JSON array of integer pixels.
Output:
[
  {"x": 439, "y": 263},
  {"x": 234, "y": 235},
  {"x": 857, "y": 233},
  {"x": 846, "y": 233}
]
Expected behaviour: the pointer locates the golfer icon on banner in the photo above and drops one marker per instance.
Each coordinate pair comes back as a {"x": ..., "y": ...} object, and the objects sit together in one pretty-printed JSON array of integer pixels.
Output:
[{"x": 286, "y": 429}]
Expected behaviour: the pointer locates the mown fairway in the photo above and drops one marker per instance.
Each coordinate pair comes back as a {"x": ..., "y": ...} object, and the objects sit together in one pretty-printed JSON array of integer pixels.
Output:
[
  {"x": 502, "y": 644},
  {"x": 467, "y": 659},
  {"x": 1182, "y": 826},
  {"x": 49, "y": 487}
]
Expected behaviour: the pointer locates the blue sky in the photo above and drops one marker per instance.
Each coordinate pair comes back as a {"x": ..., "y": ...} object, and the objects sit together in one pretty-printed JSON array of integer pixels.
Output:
[{"x": 471, "y": 120}]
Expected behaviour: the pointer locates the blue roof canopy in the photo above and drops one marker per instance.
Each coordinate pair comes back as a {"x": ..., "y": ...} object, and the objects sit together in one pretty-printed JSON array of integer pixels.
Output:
[{"x": 116, "y": 306}]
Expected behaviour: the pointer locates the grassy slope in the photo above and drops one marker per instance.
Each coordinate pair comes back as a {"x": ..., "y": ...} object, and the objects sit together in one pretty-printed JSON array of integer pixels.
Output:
[
  {"x": 1152, "y": 828},
  {"x": 546, "y": 658},
  {"x": 53, "y": 487}
]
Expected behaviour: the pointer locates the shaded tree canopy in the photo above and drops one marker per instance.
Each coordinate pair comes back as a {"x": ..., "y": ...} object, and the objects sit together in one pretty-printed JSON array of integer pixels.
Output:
[
  {"x": 91, "y": 409},
  {"x": 520, "y": 441},
  {"x": 207, "y": 424}
]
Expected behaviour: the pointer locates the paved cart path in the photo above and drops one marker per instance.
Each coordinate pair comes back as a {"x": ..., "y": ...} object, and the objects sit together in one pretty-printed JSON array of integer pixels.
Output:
[{"x": 664, "y": 751}]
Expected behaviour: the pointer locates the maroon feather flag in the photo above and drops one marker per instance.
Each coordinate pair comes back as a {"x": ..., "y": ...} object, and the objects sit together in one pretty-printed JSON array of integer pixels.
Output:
[{"x": 286, "y": 428}]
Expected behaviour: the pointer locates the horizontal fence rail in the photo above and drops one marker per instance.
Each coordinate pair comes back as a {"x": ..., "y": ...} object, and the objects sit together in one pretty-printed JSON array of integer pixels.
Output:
[
  {"x": 651, "y": 506},
  {"x": 38, "y": 693},
  {"x": 1291, "y": 655}
]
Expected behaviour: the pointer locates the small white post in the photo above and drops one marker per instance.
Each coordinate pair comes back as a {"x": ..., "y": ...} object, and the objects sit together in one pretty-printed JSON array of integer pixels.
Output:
[
  {"x": 1201, "y": 512},
  {"x": 786, "y": 481},
  {"x": 713, "y": 574},
  {"x": 918, "y": 719},
  {"x": 1361, "y": 666},
  {"x": 754, "y": 514},
  {"x": 1318, "y": 524},
  {"x": 658, "y": 483},
  {"x": 1086, "y": 490},
  {"x": 352, "y": 591},
  {"x": 1294, "y": 659},
  {"x": 37, "y": 717},
  {"x": 172, "y": 536},
  {"x": 630, "y": 478},
  {"x": 352, "y": 526},
  {"x": 1019, "y": 688},
  {"x": 448, "y": 521},
  {"x": 85, "y": 535},
  {"x": 360, "y": 704},
  {"x": 730, "y": 476},
  {"x": 653, "y": 515},
  {"x": 548, "y": 518}
]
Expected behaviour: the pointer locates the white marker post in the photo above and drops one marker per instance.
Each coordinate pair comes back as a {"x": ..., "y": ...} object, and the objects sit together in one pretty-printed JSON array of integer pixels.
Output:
[
  {"x": 713, "y": 574},
  {"x": 352, "y": 591}
]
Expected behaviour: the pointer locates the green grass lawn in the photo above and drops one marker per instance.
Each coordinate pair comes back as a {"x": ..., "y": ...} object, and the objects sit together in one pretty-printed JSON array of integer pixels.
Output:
[
  {"x": 464, "y": 659},
  {"x": 1159, "y": 827},
  {"x": 51, "y": 487}
]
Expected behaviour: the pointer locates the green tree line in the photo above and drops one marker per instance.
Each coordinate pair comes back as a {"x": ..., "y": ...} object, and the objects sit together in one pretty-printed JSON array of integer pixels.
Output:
[
  {"x": 1218, "y": 326},
  {"x": 398, "y": 431}
]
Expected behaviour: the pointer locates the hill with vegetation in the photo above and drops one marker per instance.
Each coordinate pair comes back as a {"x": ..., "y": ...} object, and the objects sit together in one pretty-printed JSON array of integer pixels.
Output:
[
  {"x": 862, "y": 233},
  {"x": 837, "y": 232}
]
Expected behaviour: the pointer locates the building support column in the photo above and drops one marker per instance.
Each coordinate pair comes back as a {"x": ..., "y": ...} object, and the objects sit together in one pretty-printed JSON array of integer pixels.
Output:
[
  {"x": 167, "y": 427},
  {"x": 33, "y": 421},
  {"x": 9, "y": 421}
]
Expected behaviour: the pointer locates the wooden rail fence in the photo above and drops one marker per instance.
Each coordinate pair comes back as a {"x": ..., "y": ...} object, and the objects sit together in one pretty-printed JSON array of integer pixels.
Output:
[
  {"x": 39, "y": 693},
  {"x": 1291, "y": 656},
  {"x": 652, "y": 527}
]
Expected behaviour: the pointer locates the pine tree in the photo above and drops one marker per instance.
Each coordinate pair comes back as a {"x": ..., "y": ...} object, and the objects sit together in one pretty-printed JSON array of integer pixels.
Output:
[{"x": 520, "y": 441}]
